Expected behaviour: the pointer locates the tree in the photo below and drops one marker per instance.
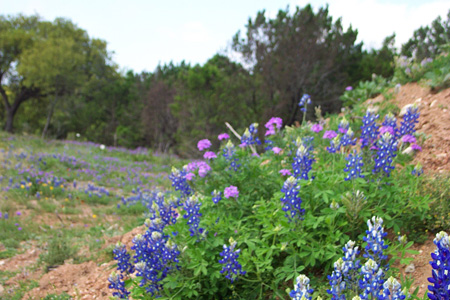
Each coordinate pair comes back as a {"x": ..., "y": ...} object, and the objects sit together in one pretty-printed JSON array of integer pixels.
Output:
[
  {"x": 300, "y": 53},
  {"x": 426, "y": 41},
  {"x": 16, "y": 36}
]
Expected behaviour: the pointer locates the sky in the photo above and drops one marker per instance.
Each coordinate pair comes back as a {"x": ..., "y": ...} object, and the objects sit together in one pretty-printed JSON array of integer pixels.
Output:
[{"x": 144, "y": 33}]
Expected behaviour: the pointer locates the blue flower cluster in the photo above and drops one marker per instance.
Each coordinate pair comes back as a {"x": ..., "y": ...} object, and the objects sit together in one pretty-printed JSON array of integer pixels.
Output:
[
  {"x": 369, "y": 129},
  {"x": 250, "y": 135},
  {"x": 440, "y": 280},
  {"x": 232, "y": 268},
  {"x": 375, "y": 240},
  {"x": 335, "y": 144},
  {"x": 352, "y": 264},
  {"x": 216, "y": 196},
  {"x": 116, "y": 283},
  {"x": 304, "y": 102},
  {"x": 192, "y": 209},
  {"x": 123, "y": 259},
  {"x": 387, "y": 147},
  {"x": 291, "y": 200},
  {"x": 336, "y": 280},
  {"x": 303, "y": 161},
  {"x": 228, "y": 153},
  {"x": 179, "y": 182},
  {"x": 390, "y": 121},
  {"x": 372, "y": 280},
  {"x": 392, "y": 290},
  {"x": 343, "y": 126},
  {"x": 353, "y": 166},
  {"x": 347, "y": 138},
  {"x": 301, "y": 289},
  {"x": 410, "y": 119},
  {"x": 418, "y": 170}
]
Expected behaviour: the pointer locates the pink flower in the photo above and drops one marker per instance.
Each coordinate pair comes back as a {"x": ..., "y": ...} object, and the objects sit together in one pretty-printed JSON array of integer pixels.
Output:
[
  {"x": 189, "y": 176},
  {"x": 231, "y": 192},
  {"x": 343, "y": 130},
  {"x": 276, "y": 150},
  {"x": 203, "y": 144},
  {"x": 349, "y": 88},
  {"x": 223, "y": 136},
  {"x": 384, "y": 129},
  {"x": 329, "y": 134},
  {"x": 408, "y": 138},
  {"x": 273, "y": 123},
  {"x": 317, "y": 128},
  {"x": 284, "y": 172},
  {"x": 243, "y": 145},
  {"x": 271, "y": 131},
  {"x": 416, "y": 147},
  {"x": 209, "y": 155}
]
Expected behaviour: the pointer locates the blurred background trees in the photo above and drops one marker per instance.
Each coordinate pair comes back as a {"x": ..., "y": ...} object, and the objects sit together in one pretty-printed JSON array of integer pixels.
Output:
[{"x": 57, "y": 81}]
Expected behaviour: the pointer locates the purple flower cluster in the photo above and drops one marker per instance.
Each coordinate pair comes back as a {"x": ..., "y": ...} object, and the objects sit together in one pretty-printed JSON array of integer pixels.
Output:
[
  {"x": 223, "y": 136},
  {"x": 273, "y": 125},
  {"x": 203, "y": 144},
  {"x": 440, "y": 280},
  {"x": 232, "y": 268},
  {"x": 231, "y": 192},
  {"x": 291, "y": 199}
]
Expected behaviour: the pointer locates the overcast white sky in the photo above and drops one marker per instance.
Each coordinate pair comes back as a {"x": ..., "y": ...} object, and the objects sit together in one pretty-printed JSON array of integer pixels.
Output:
[{"x": 145, "y": 33}]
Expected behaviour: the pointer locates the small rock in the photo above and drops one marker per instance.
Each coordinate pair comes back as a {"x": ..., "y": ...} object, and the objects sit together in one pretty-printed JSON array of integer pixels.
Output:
[
  {"x": 441, "y": 155},
  {"x": 405, "y": 109},
  {"x": 418, "y": 100},
  {"x": 410, "y": 268},
  {"x": 433, "y": 103},
  {"x": 420, "y": 251},
  {"x": 2, "y": 262},
  {"x": 408, "y": 150}
]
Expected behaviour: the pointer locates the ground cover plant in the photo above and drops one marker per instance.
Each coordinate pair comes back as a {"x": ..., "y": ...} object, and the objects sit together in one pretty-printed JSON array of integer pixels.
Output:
[{"x": 249, "y": 218}]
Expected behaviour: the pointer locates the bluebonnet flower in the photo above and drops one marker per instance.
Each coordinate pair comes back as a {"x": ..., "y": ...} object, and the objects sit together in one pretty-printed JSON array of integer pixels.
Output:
[
  {"x": 192, "y": 209},
  {"x": 179, "y": 182},
  {"x": 303, "y": 161},
  {"x": 372, "y": 281},
  {"x": 410, "y": 119},
  {"x": 392, "y": 290},
  {"x": 116, "y": 283},
  {"x": 353, "y": 166},
  {"x": 418, "y": 170},
  {"x": 216, "y": 196},
  {"x": 343, "y": 126},
  {"x": 369, "y": 129},
  {"x": 352, "y": 264},
  {"x": 336, "y": 280},
  {"x": 335, "y": 144},
  {"x": 228, "y": 153},
  {"x": 249, "y": 137},
  {"x": 232, "y": 268},
  {"x": 387, "y": 146},
  {"x": 304, "y": 102},
  {"x": 347, "y": 138},
  {"x": 440, "y": 280},
  {"x": 390, "y": 121},
  {"x": 123, "y": 259},
  {"x": 291, "y": 200},
  {"x": 375, "y": 240},
  {"x": 301, "y": 289}
]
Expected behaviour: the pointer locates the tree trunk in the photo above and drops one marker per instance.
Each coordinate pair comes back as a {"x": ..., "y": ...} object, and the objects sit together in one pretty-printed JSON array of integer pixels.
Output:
[{"x": 49, "y": 116}]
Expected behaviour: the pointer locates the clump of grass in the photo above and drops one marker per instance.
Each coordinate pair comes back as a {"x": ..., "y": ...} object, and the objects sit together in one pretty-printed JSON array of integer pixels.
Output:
[
  {"x": 438, "y": 188},
  {"x": 59, "y": 249}
]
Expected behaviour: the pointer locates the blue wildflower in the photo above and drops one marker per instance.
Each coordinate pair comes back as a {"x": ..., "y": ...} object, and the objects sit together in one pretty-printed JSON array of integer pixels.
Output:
[
  {"x": 440, "y": 280},
  {"x": 353, "y": 166},
  {"x": 369, "y": 129},
  {"x": 390, "y": 121},
  {"x": 303, "y": 161},
  {"x": 192, "y": 209},
  {"x": 249, "y": 137},
  {"x": 372, "y": 281},
  {"x": 418, "y": 170},
  {"x": 347, "y": 138},
  {"x": 335, "y": 144},
  {"x": 375, "y": 240},
  {"x": 123, "y": 259},
  {"x": 216, "y": 196},
  {"x": 232, "y": 268},
  {"x": 301, "y": 289},
  {"x": 387, "y": 146},
  {"x": 410, "y": 119},
  {"x": 343, "y": 126},
  {"x": 179, "y": 182},
  {"x": 304, "y": 102},
  {"x": 392, "y": 290},
  {"x": 352, "y": 264},
  {"x": 291, "y": 200},
  {"x": 116, "y": 283},
  {"x": 336, "y": 280},
  {"x": 228, "y": 153}
]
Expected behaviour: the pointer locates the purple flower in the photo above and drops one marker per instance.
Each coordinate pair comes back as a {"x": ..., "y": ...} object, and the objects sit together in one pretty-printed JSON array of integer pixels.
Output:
[
  {"x": 384, "y": 129},
  {"x": 203, "y": 144},
  {"x": 285, "y": 172},
  {"x": 209, "y": 155},
  {"x": 416, "y": 147},
  {"x": 18, "y": 213},
  {"x": 276, "y": 150},
  {"x": 203, "y": 168},
  {"x": 349, "y": 88},
  {"x": 223, "y": 136},
  {"x": 273, "y": 123},
  {"x": 317, "y": 128},
  {"x": 408, "y": 138},
  {"x": 329, "y": 134},
  {"x": 231, "y": 192},
  {"x": 189, "y": 176},
  {"x": 20, "y": 228}
]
